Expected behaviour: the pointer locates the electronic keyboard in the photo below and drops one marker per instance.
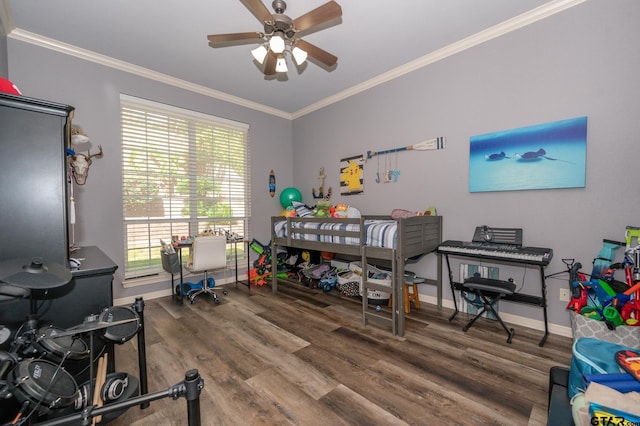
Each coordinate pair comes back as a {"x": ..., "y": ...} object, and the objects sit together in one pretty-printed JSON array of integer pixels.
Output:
[{"x": 507, "y": 252}]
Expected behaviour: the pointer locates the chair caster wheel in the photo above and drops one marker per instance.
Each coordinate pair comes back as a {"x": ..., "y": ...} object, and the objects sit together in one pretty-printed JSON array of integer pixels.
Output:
[
  {"x": 217, "y": 301},
  {"x": 225, "y": 292}
]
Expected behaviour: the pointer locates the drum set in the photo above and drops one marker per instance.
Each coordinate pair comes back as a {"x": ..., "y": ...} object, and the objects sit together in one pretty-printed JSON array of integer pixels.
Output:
[
  {"x": 40, "y": 371},
  {"x": 39, "y": 374}
]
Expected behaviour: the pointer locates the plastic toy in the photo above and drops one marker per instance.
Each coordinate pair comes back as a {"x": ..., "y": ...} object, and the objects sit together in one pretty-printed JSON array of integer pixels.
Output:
[
  {"x": 328, "y": 282},
  {"x": 7, "y": 86},
  {"x": 289, "y": 212},
  {"x": 602, "y": 262},
  {"x": 630, "y": 312}
]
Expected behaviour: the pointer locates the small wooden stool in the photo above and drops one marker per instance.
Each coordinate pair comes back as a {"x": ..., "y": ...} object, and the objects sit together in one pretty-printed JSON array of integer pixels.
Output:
[{"x": 410, "y": 296}]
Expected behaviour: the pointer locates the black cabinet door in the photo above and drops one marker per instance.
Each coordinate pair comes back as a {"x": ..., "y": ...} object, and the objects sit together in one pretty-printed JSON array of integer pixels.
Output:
[{"x": 33, "y": 194}]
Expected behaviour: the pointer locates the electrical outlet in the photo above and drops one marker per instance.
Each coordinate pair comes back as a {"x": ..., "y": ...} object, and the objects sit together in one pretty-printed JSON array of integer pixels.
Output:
[{"x": 565, "y": 295}]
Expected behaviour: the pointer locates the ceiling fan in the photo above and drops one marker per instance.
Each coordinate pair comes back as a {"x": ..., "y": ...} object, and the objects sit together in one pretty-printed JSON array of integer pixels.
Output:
[{"x": 281, "y": 35}]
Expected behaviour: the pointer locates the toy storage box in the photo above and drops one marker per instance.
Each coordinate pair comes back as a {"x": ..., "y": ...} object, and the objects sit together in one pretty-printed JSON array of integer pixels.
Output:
[
  {"x": 588, "y": 327},
  {"x": 374, "y": 297}
]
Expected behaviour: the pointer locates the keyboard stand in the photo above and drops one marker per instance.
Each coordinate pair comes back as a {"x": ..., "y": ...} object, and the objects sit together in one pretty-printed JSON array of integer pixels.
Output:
[{"x": 528, "y": 299}]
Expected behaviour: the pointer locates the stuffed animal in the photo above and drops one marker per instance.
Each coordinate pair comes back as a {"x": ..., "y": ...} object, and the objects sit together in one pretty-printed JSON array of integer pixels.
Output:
[
  {"x": 289, "y": 212},
  {"x": 401, "y": 213},
  {"x": 322, "y": 209},
  {"x": 340, "y": 210}
]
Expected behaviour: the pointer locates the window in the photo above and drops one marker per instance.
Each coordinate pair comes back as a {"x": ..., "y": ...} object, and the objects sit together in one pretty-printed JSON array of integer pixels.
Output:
[{"x": 183, "y": 172}]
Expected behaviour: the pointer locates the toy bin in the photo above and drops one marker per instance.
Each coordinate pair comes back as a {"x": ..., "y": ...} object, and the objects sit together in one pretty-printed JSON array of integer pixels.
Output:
[
  {"x": 377, "y": 276},
  {"x": 583, "y": 326}
]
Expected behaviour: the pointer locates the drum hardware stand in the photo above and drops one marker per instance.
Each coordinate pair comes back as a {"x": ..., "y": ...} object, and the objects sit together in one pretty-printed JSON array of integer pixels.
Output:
[
  {"x": 138, "y": 306},
  {"x": 190, "y": 388},
  {"x": 91, "y": 325}
]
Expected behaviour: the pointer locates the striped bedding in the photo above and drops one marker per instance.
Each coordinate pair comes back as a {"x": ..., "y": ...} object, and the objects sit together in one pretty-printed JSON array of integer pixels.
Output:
[{"x": 378, "y": 233}]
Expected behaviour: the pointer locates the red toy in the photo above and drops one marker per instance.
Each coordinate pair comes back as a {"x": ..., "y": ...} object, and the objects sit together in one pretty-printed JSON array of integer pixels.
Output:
[{"x": 8, "y": 87}]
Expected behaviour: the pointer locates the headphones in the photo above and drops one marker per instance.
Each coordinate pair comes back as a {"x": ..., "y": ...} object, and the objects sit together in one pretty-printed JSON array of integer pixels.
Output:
[
  {"x": 113, "y": 388},
  {"x": 487, "y": 234}
]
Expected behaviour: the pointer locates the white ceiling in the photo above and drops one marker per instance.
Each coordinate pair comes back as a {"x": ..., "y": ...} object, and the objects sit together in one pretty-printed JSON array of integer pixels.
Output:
[{"x": 375, "y": 40}]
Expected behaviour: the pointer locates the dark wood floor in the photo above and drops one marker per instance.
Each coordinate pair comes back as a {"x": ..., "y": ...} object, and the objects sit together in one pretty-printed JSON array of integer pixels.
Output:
[{"x": 302, "y": 357}]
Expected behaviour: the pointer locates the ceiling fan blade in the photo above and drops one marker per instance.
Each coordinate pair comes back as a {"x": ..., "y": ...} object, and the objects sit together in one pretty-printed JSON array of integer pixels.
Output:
[
  {"x": 258, "y": 9},
  {"x": 326, "y": 12},
  {"x": 226, "y": 38},
  {"x": 318, "y": 54},
  {"x": 270, "y": 63}
]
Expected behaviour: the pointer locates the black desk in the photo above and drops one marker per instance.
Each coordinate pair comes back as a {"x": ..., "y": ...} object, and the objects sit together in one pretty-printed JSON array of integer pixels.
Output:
[
  {"x": 529, "y": 299},
  {"x": 89, "y": 292}
]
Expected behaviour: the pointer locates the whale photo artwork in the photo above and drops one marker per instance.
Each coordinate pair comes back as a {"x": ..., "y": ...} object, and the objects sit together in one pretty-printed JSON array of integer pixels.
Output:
[{"x": 543, "y": 156}]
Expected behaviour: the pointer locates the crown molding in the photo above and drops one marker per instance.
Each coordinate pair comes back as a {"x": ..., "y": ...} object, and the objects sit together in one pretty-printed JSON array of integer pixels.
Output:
[
  {"x": 515, "y": 23},
  {"x": 522, "y": 20},
  {"x": 6, "y": 19},
  {"x": 68, "y": 49}
]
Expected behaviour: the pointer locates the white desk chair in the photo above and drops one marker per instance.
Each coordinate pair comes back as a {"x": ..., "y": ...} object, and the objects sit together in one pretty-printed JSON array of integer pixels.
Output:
[{"x": 208, "y": 253}]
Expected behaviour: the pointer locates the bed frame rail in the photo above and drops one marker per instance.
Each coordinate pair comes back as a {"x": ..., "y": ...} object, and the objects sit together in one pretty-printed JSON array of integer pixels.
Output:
[{"x": 417, "y": 236}]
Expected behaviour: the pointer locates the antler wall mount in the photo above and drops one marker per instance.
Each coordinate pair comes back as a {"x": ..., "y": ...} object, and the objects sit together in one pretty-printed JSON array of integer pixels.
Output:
[{"x": 281, "y": 35}]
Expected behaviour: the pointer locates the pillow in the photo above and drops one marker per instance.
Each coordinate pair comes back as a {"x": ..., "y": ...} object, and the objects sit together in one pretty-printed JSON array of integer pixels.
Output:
[
  {"x": 352, "y": 212},
  {"x": 302, "y": 210}
]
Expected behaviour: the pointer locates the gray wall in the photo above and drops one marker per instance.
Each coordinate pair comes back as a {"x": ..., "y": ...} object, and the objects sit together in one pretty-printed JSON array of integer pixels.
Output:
[
  {"x": 94, "y": 91},
  {"x": 4, "y": 65},
  {"x": 582, "y": 62}
]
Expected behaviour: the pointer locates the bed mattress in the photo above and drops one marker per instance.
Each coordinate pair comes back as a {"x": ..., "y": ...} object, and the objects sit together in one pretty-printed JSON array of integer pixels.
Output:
[{"x": 378, "y": 233}]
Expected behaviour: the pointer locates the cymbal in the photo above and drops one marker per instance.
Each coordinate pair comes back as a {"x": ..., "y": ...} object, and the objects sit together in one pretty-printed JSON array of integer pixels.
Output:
[
  {"x": 90, "y": 326},
  {"x": 34, "y": 274}
]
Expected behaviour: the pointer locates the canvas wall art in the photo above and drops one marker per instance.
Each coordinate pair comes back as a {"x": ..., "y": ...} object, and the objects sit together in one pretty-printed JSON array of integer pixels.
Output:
[
  {"x": 543, "y": 156},
  {"x": 351, "y": 171}
]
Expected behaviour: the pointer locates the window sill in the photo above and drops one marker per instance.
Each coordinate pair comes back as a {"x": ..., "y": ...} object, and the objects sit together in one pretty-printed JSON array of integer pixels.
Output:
[{"x": 148, "y": 280}]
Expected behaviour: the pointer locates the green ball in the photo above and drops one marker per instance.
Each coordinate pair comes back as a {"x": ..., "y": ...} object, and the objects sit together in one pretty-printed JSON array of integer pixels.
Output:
[{"x": 288, "y": 195}]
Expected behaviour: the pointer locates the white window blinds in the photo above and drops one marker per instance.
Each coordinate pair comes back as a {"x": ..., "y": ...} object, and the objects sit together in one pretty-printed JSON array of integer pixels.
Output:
[{"x": 183, "y": 173}]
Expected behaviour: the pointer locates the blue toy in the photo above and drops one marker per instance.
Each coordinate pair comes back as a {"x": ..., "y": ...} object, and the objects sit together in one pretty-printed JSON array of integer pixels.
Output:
[{"x": 328, "y": 282}]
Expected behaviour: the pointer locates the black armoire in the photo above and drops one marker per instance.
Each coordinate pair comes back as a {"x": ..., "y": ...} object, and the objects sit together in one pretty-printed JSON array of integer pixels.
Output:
[
  {"x": 33, "y": 188},
  {"x": 34, "y": 135}
]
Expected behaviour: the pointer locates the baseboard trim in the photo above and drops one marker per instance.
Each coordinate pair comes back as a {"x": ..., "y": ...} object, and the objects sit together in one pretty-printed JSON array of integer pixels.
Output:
[
  {"x": 556, "y": 329},
  {"x": 559, "y": 330}
]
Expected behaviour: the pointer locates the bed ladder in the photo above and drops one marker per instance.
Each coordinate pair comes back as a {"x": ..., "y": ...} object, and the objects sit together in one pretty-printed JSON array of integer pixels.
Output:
[{"x": 396, "y": 320}]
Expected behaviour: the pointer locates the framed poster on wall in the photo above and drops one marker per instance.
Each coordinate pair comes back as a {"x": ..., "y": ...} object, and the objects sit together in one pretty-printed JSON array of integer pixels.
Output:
[{"x": 543, "y": 156}]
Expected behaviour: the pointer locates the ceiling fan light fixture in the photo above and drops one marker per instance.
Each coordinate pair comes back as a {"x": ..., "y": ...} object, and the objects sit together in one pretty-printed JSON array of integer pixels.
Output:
[
  {"x": 299, "y": 55},
  {"x": 276, "y": 42},
  {"x": 281, "y": 64},
  {"x": 259, "y": 53}
]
